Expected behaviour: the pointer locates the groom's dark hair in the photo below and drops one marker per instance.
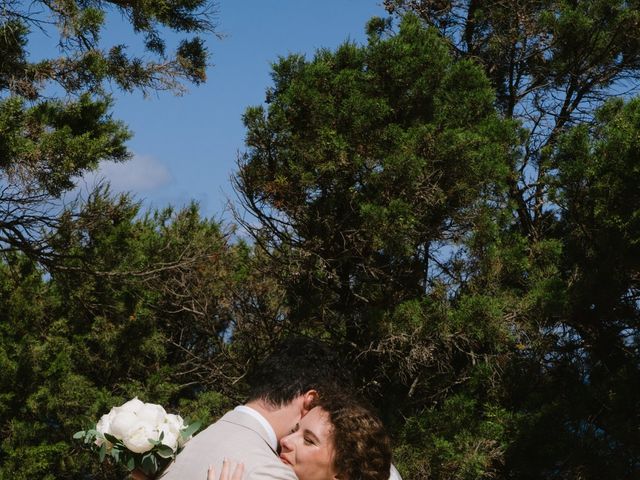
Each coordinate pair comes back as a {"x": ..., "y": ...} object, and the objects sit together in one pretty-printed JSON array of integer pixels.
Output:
[{"x": 295, "y": 366}]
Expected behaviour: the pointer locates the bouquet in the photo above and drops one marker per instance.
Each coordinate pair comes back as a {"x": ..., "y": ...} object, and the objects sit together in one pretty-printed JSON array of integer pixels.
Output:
[{"x": 139, "y": 435}]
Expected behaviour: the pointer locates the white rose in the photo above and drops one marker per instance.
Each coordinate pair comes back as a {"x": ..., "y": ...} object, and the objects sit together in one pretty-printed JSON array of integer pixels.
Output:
[
  {"x": 123, "y": 422},
  {"x": 175, "y": 422},
  {"x": 137, "y": 439},
  {"x": 103, "y": 425},
  {"x": 151, "y": 414},
  {"x": 170, "y": 438},
  {"x": 135, "y": 422},
  {"x": 132, "y": 406}
]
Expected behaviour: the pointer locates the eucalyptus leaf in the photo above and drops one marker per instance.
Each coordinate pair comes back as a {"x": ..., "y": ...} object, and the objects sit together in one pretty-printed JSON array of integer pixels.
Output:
[
  {"x": 165, "y": 451},
  {"x": 149, "y": 463},
  {"x": 190, "y": 430}
]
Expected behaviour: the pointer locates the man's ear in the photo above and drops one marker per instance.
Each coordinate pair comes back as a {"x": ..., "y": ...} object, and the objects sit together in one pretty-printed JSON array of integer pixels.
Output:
[{"x": 309, "y": 400}]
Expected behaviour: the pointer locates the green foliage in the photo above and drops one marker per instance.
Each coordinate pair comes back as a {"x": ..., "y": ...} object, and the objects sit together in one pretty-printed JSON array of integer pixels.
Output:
[
  {"x": 474, "y": 256},
  {"x": 555, "y": 246},
  {"x": 206, "y": 406},
  {"x": 54, "y": 141},
  {"x": 453, "y": 206},
  {"x": 365, "y": 162},
  {"x": 352, "y": 163},
  {"x": 534, "y": 50},
  {"x": 78, "y": 342},
  {"x": 46, "y": 143},
  {"x": 98, "y": 302},
  {"x": 85, "y": 62},
  {"x": 458, "y": 440}
]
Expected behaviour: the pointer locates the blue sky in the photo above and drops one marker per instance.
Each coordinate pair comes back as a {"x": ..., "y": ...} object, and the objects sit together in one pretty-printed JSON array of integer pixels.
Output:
[{"x": 186, "y": 147}]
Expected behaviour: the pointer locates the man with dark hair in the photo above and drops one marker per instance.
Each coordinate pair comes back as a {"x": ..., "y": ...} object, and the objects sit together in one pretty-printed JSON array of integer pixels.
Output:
[
  {"x": 283, "y": 388},
  {"x": 297, "y": 365}
]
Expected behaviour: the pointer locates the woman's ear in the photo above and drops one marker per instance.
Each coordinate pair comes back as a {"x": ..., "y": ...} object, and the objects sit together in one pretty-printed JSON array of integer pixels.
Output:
[{"x": 309, "y": 400}]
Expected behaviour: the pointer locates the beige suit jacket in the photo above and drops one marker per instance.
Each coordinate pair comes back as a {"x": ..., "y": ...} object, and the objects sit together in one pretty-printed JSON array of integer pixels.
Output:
[{"x": 236, "y": 436}]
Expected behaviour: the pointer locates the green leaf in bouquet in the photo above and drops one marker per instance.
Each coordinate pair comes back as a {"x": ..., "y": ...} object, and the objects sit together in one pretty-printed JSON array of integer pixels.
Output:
[
  {"x": 88, "y": 436},
  {"x": 149, "y": 464},
  {"x": 131, "y": 463},
  {"x": 115, "y": 454},
  {"x": 165, "y": 451},
  {"x": 190, "y": 430},
  {"x": 102, "y": 452},
  {"x": 155, "y": 443},
  {"x": 111, "y": 438}
]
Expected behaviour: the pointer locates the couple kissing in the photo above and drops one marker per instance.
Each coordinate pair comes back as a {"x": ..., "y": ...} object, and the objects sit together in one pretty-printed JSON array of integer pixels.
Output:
[{"x": 296, "y": 424}]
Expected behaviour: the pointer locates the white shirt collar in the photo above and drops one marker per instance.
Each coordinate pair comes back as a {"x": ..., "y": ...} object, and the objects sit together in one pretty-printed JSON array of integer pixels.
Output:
[{"x": 271, "y": 434}]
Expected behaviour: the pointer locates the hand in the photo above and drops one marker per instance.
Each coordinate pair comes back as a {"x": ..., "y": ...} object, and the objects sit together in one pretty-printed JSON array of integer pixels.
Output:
[{"x": 224, "y": 474}]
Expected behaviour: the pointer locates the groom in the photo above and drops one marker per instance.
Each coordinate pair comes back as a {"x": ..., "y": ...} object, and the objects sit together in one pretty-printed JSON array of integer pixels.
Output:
[{"x": 282, "y": 389}]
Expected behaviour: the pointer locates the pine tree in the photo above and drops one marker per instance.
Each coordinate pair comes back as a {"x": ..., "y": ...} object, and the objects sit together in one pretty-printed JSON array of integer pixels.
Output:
[
  {"x": 55, "y": 119},
  {"x": 364, "y": 164}
]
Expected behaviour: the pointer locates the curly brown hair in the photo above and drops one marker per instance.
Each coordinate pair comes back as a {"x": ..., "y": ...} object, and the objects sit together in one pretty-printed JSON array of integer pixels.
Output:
[{"x": 361, "y": 445}]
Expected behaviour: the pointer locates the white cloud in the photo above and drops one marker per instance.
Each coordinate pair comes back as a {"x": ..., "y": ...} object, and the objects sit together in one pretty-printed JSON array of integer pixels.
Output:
[{"x": 140, "y": 174}]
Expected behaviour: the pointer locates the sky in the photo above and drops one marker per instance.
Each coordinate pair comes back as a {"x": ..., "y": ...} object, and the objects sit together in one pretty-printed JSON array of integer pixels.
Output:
[{"x": 185, "y": 148}]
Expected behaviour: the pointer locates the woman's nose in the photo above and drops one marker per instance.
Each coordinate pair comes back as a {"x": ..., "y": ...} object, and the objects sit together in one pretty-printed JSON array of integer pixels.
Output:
[{"x": 285, "y": 443}]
